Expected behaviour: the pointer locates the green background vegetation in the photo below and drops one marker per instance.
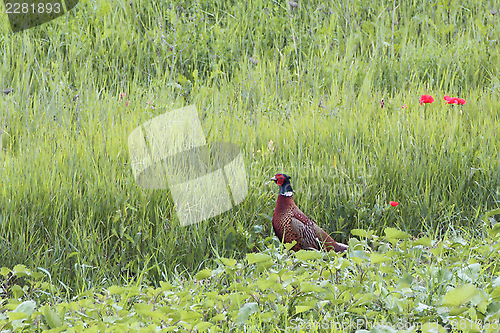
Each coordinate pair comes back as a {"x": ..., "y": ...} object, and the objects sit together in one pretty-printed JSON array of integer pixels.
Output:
[{"x": 298, "y": 88}]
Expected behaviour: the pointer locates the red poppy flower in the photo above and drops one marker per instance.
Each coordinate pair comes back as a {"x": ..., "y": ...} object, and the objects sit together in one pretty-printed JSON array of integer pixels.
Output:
[
  {"x": 393, "y": 203},
  {"x": 426, "y": 99},
  {"x": 454, "y": 100}
]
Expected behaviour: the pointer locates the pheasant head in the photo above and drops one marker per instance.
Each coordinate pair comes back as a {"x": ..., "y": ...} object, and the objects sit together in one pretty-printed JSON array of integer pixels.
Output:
[{"x": 283, "y": 181}]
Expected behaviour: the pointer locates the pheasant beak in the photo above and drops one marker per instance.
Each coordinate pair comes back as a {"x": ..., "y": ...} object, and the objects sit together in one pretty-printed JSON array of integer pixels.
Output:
[{"x": 269, "y": 181}]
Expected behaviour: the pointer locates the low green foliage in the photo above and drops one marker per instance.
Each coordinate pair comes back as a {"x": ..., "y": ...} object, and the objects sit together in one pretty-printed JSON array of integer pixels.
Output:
[{"x": 387, "y": 283}]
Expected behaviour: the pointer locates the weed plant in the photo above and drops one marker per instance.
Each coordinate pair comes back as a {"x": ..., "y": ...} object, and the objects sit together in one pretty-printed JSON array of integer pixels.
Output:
[{"x": 298, "y": 86}]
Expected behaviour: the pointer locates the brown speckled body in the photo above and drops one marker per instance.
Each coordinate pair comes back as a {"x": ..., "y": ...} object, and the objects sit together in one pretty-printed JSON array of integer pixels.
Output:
[
  {"x": 281, "y": 221},
  {"x": 288, "y": 220}
]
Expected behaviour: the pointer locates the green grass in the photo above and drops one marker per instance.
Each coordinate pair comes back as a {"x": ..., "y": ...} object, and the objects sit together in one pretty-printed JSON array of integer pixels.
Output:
[{"x": 309, "y": 79}]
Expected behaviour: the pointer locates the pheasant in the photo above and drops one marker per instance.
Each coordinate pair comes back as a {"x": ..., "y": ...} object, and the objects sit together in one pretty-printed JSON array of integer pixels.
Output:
[{"x": 290, "y": 224}]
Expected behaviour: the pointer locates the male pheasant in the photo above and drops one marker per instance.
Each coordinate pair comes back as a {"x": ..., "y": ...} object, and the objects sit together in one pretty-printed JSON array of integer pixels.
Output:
[{"x": 290, "y": 224}]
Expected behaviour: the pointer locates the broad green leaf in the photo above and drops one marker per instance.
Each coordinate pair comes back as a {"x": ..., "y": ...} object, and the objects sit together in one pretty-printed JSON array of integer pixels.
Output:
[
  {"x": 263, "y": 284},
  {"x": 302, "y": 308},
  {"x": 241, "y": 287},
  {"x": 422, "y": 307},
  {"x": 362, "y": 299},
  {"x": 432, "y": 328},
  {"x": 115, "y": 290},
  {"x": 267, "y": 316},
  {"x": 21, "y": 270},
  {"x": 457, "y": 311},
  {"x": 190, "y": 315},
  {"x": 406, "y": 280},
  {"x": 27, "y": 307},
  {"x": 273, "y": 277},
  {"x": 238, "y": 298},
  {"x": 288, "y": 246},
  {"x": 51, "y": 317},
  {"x": 110, "y": 319},
  {"x": 133, "y": 291},
  {"x": 202, "y": 326},
  {"x": 359, "y": 256},
  {"x": 378, "y": 258},
  {"x": 13, "y": 316},
  {"x": 469, "y": 273},
  {"x": 387, "y": 269},
  {"x": 308, "y": 255},
  {"x": 426, "y": 241},
  {"x": 334, "y": 300},
  {"x": 362, "y": 233},
  {"x": 385, "y": 248},
  {"x": 257, "y": 257},
  {"x": 355, "y": 244},
  {"x": 203, "y": 274},
  {"x": 490, "y": 213},
  {"x": 218, "y": 317},
  {"x": 166, "y": 286},
  {"x": 17, "y": 291},
  {"x": 22, "y": 312},
  {"x": 493, "y": 308},
  {"x": 143, "y": 307},
  {"x": 459, "y": 296},
  {"x": 438, "y": 251},
  {"x": 457, "y": 241},
  {"x": 341, "y": 263},
  {"x": 359, "y": 311},
  {"x": 263, "y": 266},
  {"x": 188, "y": 326},
  {"x": 5, "y": 271},
  {"x": 228, "y": 262},
  {"x": 494, "y": 230},
  {"x": 496, "y": 282},
  {"x": 495, "y": 294},
  {"x": 307, "y": 287},
  {"x": 245, "y": 312},
  {"x": 391, "y": 233}
]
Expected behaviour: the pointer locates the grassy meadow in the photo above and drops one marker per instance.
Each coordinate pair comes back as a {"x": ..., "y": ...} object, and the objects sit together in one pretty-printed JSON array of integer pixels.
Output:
[{"x": 298, "y": 87}]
